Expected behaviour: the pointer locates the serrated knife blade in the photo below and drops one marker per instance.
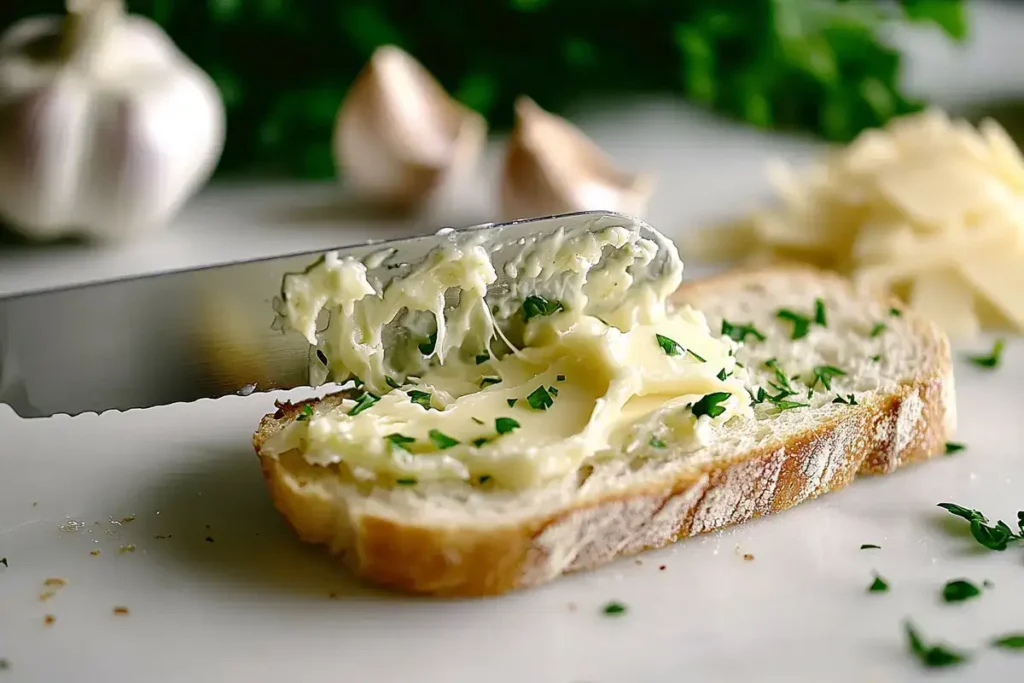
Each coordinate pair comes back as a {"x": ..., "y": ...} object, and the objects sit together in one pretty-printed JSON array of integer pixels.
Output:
[{"x": 187, "y": 335}]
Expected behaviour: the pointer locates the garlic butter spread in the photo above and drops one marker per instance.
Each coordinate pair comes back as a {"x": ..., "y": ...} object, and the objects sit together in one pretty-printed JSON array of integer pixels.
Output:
[{"x": 570, "y": 356}]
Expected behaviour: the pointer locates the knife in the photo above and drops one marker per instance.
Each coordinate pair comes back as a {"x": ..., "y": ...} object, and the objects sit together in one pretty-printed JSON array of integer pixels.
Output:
[{"x": 201, "y": 333}]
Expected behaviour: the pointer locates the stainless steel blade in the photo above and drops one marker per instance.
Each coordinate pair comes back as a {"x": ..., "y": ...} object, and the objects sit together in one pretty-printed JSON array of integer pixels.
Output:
[{"x": 185, "y": 335}]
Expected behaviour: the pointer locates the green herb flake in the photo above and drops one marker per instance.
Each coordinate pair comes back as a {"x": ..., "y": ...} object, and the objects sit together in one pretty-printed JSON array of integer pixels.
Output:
[
  {"x": 483, "y": 478},
  {"x": 739, "y": 331},
  {"x": 364, "y": 402},
  {"x": 392, "y": 383},
  {"x": 788, "y": 405},
  {"x": 614, "y": 609},
  {"x": 723, "y": 375},
  {"x": 993, "y": 358},
  {"x": 540, "y": 399},
  {"x": 504, "y": 425},
  {"x": 670, "y": 346},
  {"x": 759, "y": 396},
  {"x": 511, "y": 402},
  {"x": 709, "y": 404},
  {"x": 993, "y": 537},
  {"x": 406, "y": 481},
  {"x": 825, "y": 374},
  {"x": 959, "y": 590},
  {"x": 895, "y": 312},
  {"x": 442, "y": 440},
  {"x": 427, "y": 347},
  {"x": 488, "y": 381},
  {"x": 954, "y": 447},
  {"x": 932, "y": 656},
  {"x": 418, "y": 397},
  {"x": 480, "y": 442},
  {"x": 553, "y": 391},
  {"x": 801, "y": 323},
  {"x": 876, "y": 359},
  {"x": 400, "y": 441},
  {"x": 306, "y": 413},
  {"x": 482, "y": 358},
  {"x": 820, "y": 317},
  {"x": 560, "y": 378},
  {"x": 538, "y": 306},
  {"x": 782, "y": 384},
  {"x": 870, "y": 546},
  {"x": 879, "y": 585},
  {"x": 477, "y": 420},
  {"x": 878, "y": 329},
  {"x": 1011, "y": 641},
  {"x": 850, "y": 400},
  {"x": 655, "y": 442}
]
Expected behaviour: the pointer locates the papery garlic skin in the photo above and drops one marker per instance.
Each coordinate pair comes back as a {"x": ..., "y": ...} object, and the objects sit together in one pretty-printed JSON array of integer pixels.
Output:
[
  {"x": 400, "y": 139},
  {"x": 551, "y": 167},
  {"x": 106, "y": 128}
]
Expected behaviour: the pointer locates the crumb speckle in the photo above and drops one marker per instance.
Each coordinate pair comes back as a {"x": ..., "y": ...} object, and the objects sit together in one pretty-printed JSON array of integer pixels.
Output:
[
  {"x": 748, "y": 557},
  {"x": 34, "y": 504},
  {"x": 988, "y": 584},
  {"x": 57, "y": 581},
  {"x": 662, "y": 568},
  {"x": 121, "y": 611},
  {"x": 72, "y": 525},
  {"x": 207, "y": 526},
  {"x": 129, "y": 548},
  {"x": 162, "y": 537},
  {"x": 638, "y": 562},
  {"x": 209, "y": 539},
  {"x": 332, "y": 595},
  {"x": 49, "y": 619},
  {"x": 94, "y": 552},
  {"x": 46, "y": 595},
  {"x": 128, "y": 519},
  {"x": 572, "y": 606}
]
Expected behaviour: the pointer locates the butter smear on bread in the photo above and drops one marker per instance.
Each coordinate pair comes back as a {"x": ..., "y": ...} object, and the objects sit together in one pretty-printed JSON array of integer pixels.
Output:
[{"x": 573, "y": 357}]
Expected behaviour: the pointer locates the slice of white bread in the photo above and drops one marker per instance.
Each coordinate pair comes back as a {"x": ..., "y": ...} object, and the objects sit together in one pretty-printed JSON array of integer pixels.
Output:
[{"x": 463, "y": 539}]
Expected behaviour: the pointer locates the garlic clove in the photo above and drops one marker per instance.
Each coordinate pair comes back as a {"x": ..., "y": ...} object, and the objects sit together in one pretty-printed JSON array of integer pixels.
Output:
[
  {"x": 551, "y": 167},
  {"x": 400, "y": 139}
]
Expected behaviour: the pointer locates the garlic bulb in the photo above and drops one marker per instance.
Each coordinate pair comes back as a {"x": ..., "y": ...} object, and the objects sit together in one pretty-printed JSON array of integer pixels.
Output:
[
  {"x": 106, "y": 128},
  {"x": 551, "y": 167},
  {"x": 400, "y": 139}
]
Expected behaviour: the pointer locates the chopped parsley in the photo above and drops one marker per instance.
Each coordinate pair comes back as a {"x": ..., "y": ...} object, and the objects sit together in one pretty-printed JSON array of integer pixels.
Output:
[
  {"x": 442, "y": 440},
  {"x": 895, "y": 312},
  {"x": 560, "y": 378},
  {"x": 406, "y": 481},
  {"x": 482, "y": 358},
  {"x": 488, "y": 381},
  {"x": 723, "y": 375},
  {"x": 993, "y": 358},
  {"x": 1011, "y": 641},
  {"x": 878, "y": 329},
  {"x": 483, "y": 478},
  {"x": 709, "y": 405},
  {"x": 959, "y": 590},
  {"x": 477, "y": 420},
  {"x": 427, "y": 347},
  {"x": 481, "y": 441},
  {"x": 655, "y": 442},
  {"x": 953, "y": 447},
  {"x": 801, "y": 323},
  {"x": 870, "y": 546},
  {"x": 504, "y": 425},
  {"x": 758, "y": 397},
  {"x": 3, "y": 561},
  {"x": 670, "y": 346},
  {"x": 993, "y": 537},
  {"x": 850, "y": 400},
  {"x": 419, "y": 397},
  {"x": 739, "y": 331},
  {"x": 824, "y": 374},
  {"x": 932, "y": 656},
  {"x": 879, "y": 585},
  {"x": 511, "y": 402},
  {"x": 400, "y": 440},
  {"x": 391, "y": 382},
  {"x": 534, "y": 306},
  {"x": 876, "y": 358},
  {"x": 614, "y": 608},
  {"x": 540, "y": 399},
  {"x": 553, "y": 391},
  {"x": 819, "y": 313},
  {"x": 696, "y": 355},
  {"x": 306, "y": 413},
  {"x": 364, "y": 402},
  {"x": 783, "y": 404},
  {"x": 781, "y": 383}
]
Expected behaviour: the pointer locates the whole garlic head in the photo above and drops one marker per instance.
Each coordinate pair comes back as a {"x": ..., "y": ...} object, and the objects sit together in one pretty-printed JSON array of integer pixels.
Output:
[
  {"x": 551, "y": 167},
  {"x": 400, "y": 139},
  {"x": 106, "y": 128}
]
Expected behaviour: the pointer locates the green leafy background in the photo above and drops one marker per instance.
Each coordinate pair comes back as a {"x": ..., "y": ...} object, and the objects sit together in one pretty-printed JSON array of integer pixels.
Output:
[{"x": 283, "y": 65}]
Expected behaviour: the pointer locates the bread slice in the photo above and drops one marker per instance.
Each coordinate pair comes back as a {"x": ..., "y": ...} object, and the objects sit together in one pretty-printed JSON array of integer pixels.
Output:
[{"x": 460, "y": 539}]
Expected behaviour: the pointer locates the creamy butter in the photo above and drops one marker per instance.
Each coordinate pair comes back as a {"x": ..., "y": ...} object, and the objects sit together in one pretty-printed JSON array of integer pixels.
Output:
[{"x": 577, "y": 356}]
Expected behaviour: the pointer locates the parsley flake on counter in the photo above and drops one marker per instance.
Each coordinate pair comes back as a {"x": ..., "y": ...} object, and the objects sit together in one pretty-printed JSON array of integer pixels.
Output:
[
  {"x": 482, "y": 358},
  {"x": 758, "y": 397},
  {"x": 5, "y": 665},
  {"x": 953, "y": 447},
  {"x": 709, "y": 404},
  {"x": 878, "y": 329},
  {"x": 994, "y": 357},
  {"x": 825, "y": 374},
  {"x": 932, "y": 656},
  {"x": 993, "y": 537},
  {"x": 511, "y": 402},
  {"x": 655, "y": 442},
  {"x": 540, "y": 399},
  {"x": 560, "y": 378},
  {"x": 391, "y": 382},
  {"x": 1011, "y": 641},
  {"x": 483, "y": 478},
  {"x": 820, "y": 317},
  {"x": 419, "y": 397},
  {"x": 670, "y": 346},
  {"x": 306, "y": 413},
  {"x": 870, "y": 546},
  {"x": 504, "y": 425},
  {"x": 739, "y": 331},
  {"x": 534, "y": 306},
  {"x": 959, "y": 590},
  {"x": 488, "y": 381},
  {"x": 400, "y": 440},
  {"x": 801, "y": 323},
  {"x": 406, "y": 481},
  {"x": 850, "y": 400},
  {"x": 614, "y": 608},
  {"x": 427, "y": 347},
  {"x": 442, "y": 440},
  {"x": 364, "y": 402}
]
